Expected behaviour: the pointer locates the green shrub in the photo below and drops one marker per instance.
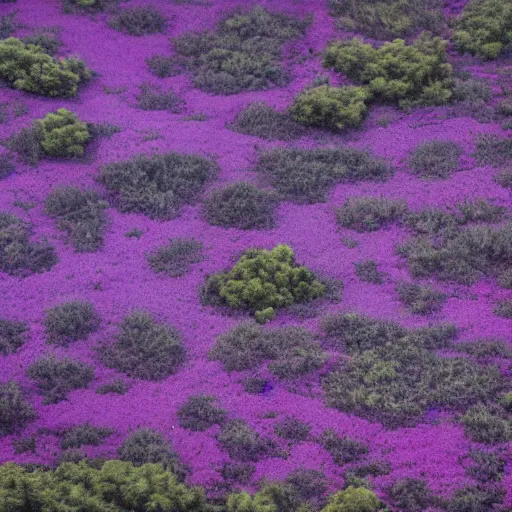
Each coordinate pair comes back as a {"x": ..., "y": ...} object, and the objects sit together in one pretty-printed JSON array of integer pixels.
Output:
[
  {"x": 370, "y": 213},
  {"x": 242, "y": 54},
  {"x": 261, "y": 120},
  {"x": 157, "y": 185},
  {"x": 15, "y": 411},
  {"x": 243, "y": 443},
  {"x": 144, "y": 349},
  {"x": 18, "y": 255},
  {"x": 263, "y": 281},
  {"x": 25, "y": 445},
  {"x": 493, "y": 150},
  {"x": 487, "y": 466},
  {"x": 306, "y": 175},
  {"x": 475, "y": 499},
  {"x": 293, "y": 429},
  {"x": 47, "y": 39},
  {"x": 69, "y": 322},
  {"x": 29, "y": 68},
  {"x": 175, "y": 258},
  {"x": 80, "y": 213},
  {"x": 88, "y": 6},
  {"x": 117, "y": 386},
  {"x": 199, "y": 413},
  {"x": 471, "y": 97},
  {"x": 27, "y": 143},
  {"x": 86, "y": 434},
  {"x": 368, "y": 272},
  {"x": 354, "y": 499},
  {"x": 484, "y": 29},
  {"x": 241, "y": 205},
  {"x": 333, "y": 108},
  {"x": 12, "y": 336},
  {"x": 410, "y": 494},
  {"x": 255, "y": 385},
  {"x": 7, "y": 25},
  {"x": 6, "y": 166},
  {"x": 164, "y": 66},
  {"x": 151, "y": 97},
  {"x": 239, "y": 472},
  {"x": 420, "y": 299},
  {"x": 479, "y": 210},
  {"x": 385, "y": 20},
  {"x": 139, "y": 21},
  {"x": 485, "y": 349},
  {"x": 396, "y": 72},
  {"x": 55, "y": 378},
  {"x": 342, "y": 449},
  {"x": 435, "y": 159},
  {"x": 504, "y": 309},
  {"x": 504, "y": 178}
]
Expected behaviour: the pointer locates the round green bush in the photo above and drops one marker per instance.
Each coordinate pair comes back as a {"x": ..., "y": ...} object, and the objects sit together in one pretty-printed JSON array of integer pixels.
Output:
[{"x": 354, "y": 499}]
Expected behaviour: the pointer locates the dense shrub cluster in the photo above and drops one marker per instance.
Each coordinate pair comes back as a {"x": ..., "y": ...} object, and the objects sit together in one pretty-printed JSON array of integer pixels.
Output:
[
  {"x": 485, "y": 28},
  {"x": 15, "y": 411},
  {"x": 139, "y": 21},
  {"x": 7, "y": 25},
  {"x": 29, "y": 68},
  {"x": 157, "y": 185},
  {"x": 151, "y": 97},
  {"x": 435, "y": 159},
  {"x": 70, "y": 321},
  {"x": 46, "y": 38},
  {"x": 487, "y": 466},
  {"x": 504, "y": 308},
  {"x": 80, "y": 213},
  {"x": 55, "y": 378},
  {"x": 86, "y": 434},
  {"x": 241, "y": 205},
  {"x": 419, "y": 298},
  {"x": 386, "y": 19},
  {"x": 305, "y": 175},
  {"x": 410, "y": 494},
  {"x": 368, "y": 272},
  {"x": 164, "y": 66},
  {"x": 370, "y": 213},
  {"x": 12, "y": 336},
  {"x": 263, "y": 281},
  {"x": 18, "y": 255},
  {"x": 144, "y": 349},
  {"x": 6, "y": 166},
  {"x": 504, "y": 177},
  {"x": 342, "y": 449},
  {"x": 292, "y": 428},
  {"x": 261, "y": 120},
  {"x": 485, "y": 424},
  {"x": 242, "y": 54},
  {"x": 117, "y": 386},
  {"x": 239, "y": 472},
  {"x": 87, "y": 6},
  {"x": 493, "y": 150},
  {"x": 396, "y": 72},
  {"x": 199, "y": 413},
  {"x": 175, "y": 258}
]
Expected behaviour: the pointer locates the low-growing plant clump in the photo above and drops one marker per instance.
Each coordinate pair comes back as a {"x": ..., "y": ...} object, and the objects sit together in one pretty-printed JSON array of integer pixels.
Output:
[
  {"x": 368, "y": 272},
  {"x": 420, "y": 299},
  {"x": 117, "y": 386},
  {"x": 435, "y": 159},
  {"x": 199, "y": 413},
  {"x": 139, "y": 21},
  {"x": 88, "y": 6},
  {"x": 164, "y": 66},
  {"x": 6, "y": 166},
  {"x": 46, "y": 38},
  {"x": 86, "y": 434},
  {"x": 12, "y": 336},
  {"x": 151, "y": 97},
  {"x": 293, "y": 429},
  {"x": 504, "y": 308},
  {"x": 485, "y": 424},
  {"x": 175, "y": 258},
  {"x": 410, "y": 494},
  {"x": 157, "y": 185},
  {"x": 342, "y": 449},
  {"x": 15, "y": 410},
  {"x": 493, "y": 150}
]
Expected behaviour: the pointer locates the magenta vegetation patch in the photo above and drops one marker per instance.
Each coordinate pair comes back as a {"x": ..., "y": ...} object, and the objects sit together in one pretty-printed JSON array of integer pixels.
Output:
[{"x": 260, "y": 241}]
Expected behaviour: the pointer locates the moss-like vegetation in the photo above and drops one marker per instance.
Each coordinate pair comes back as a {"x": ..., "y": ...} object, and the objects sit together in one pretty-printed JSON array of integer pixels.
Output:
[
  {"x": 55, "y": 378},
  {"x": 139, "y": 21},
  {"x": 420, "y": 299},
  {"x": 144, "y": 349},
  {"x": 415, "y": 74},
  {"x": 199, "y": 413},
  {"x": 243, "y": 52},
  {"x": 435, "y": 159},
  {"x": 306, "y": 176},
  {"x": 485, "y": 28},
  {"x": 12, "y": 336},
  {"x": 69, "y": 322},
  {"x": 157, "y": 185},
  {"x": 15, "y": 411},
  {"x": 29, "y": 68},
  {"x": 86, "y": 434},
  {"x": 81, "y": 214},
  {"x": 263, "y": 281},
  {"x": 18, "y": 255},
  {"x": 175, "y": 258},
  {"x": 241, "y": 205}
]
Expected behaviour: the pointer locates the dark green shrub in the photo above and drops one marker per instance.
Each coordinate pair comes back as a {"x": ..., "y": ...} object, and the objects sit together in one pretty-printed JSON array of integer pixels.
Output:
[
  {"x": 242, "y": 54},
  {"x": 27, "y": 143},
  {"x": 47, "y": 39},
  {"x": 157, "y": 185},
  {"x": 29, "y": 68},
  {"x": 505, "y": 279},
  {"x": 435, "y": 159},
  {"x": 144, "y": 349},
  {"x": 239, "y": 472},
  {"x": 116, "y": 386},
  {"x": 504, "y": 309},
  {"x": 306, "y": 175},
  {"x": 354, "y": 499},
  {"x": 420, "y": 299},
  {"x": 476, "y": 499},
  {"x": 388, "y": 19},
  {"x": 373, "y": 468},
  {"x": 263, "y": 281},
  {"x": 199, "y": 413},
  {"x": 293, "y": 429},
  {"x": 55, "y": 378},
  {"x": 291, "y": 350},
  {"x": 80, "y": 435},
  {"x": 254, "y": 385},
  {"x": 504, "y": 178},
  {"x": 151, "y": 97},
  {"x": 12, "y": 336},
  {"x": 261, "y": 120},
  {"x": 485, "y": 349},
  {"x": 333, "y": 108},
  {"x": 241, "y": 205},
  {"x": 7, "y": 25},
  {"x": 370, "y": 213},
  {"x": 488, "y": 425},
  {"x": 6, "y": 166},
  {"x": 88, "y": 6},
  {"x": 69, "y": 322},
  {"x": 18, "y": 255},
  {"x": 175, "y": 258},
  {"x": 487, "y": 466},
  {"x": 493, "y": 150},
  {"x": 484, "y": 28},
  {"x": 139, "y": 21},
  {"x": 368, "y": 272},
  {"x": 15, "y": 411},
  {"x": 165, "y": 66},
  {"x": 471, "y": 97},
  {"x": 342, "y": 449},
  {"x": 243, "y": 443},
  {"x": 415, "y": 74},
  {"x": 410, "y": 494},
  {"x": 80, "y": 213},
  {"x": 25, "y": 445},
  {"x": 479, "y": 210}
]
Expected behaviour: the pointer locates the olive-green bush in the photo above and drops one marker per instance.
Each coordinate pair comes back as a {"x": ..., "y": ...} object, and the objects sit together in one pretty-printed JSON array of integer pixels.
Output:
[
  {"x": 29, "y": 68},
  {"x": 354, "y": 499},
  {"x": 263, "y": 281},
  {"x": 485, "y": 28},
  {"x": 397, "y": 72},
  {"x": 15, "y": 410},
  {"x": 334, "y": 108}
]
